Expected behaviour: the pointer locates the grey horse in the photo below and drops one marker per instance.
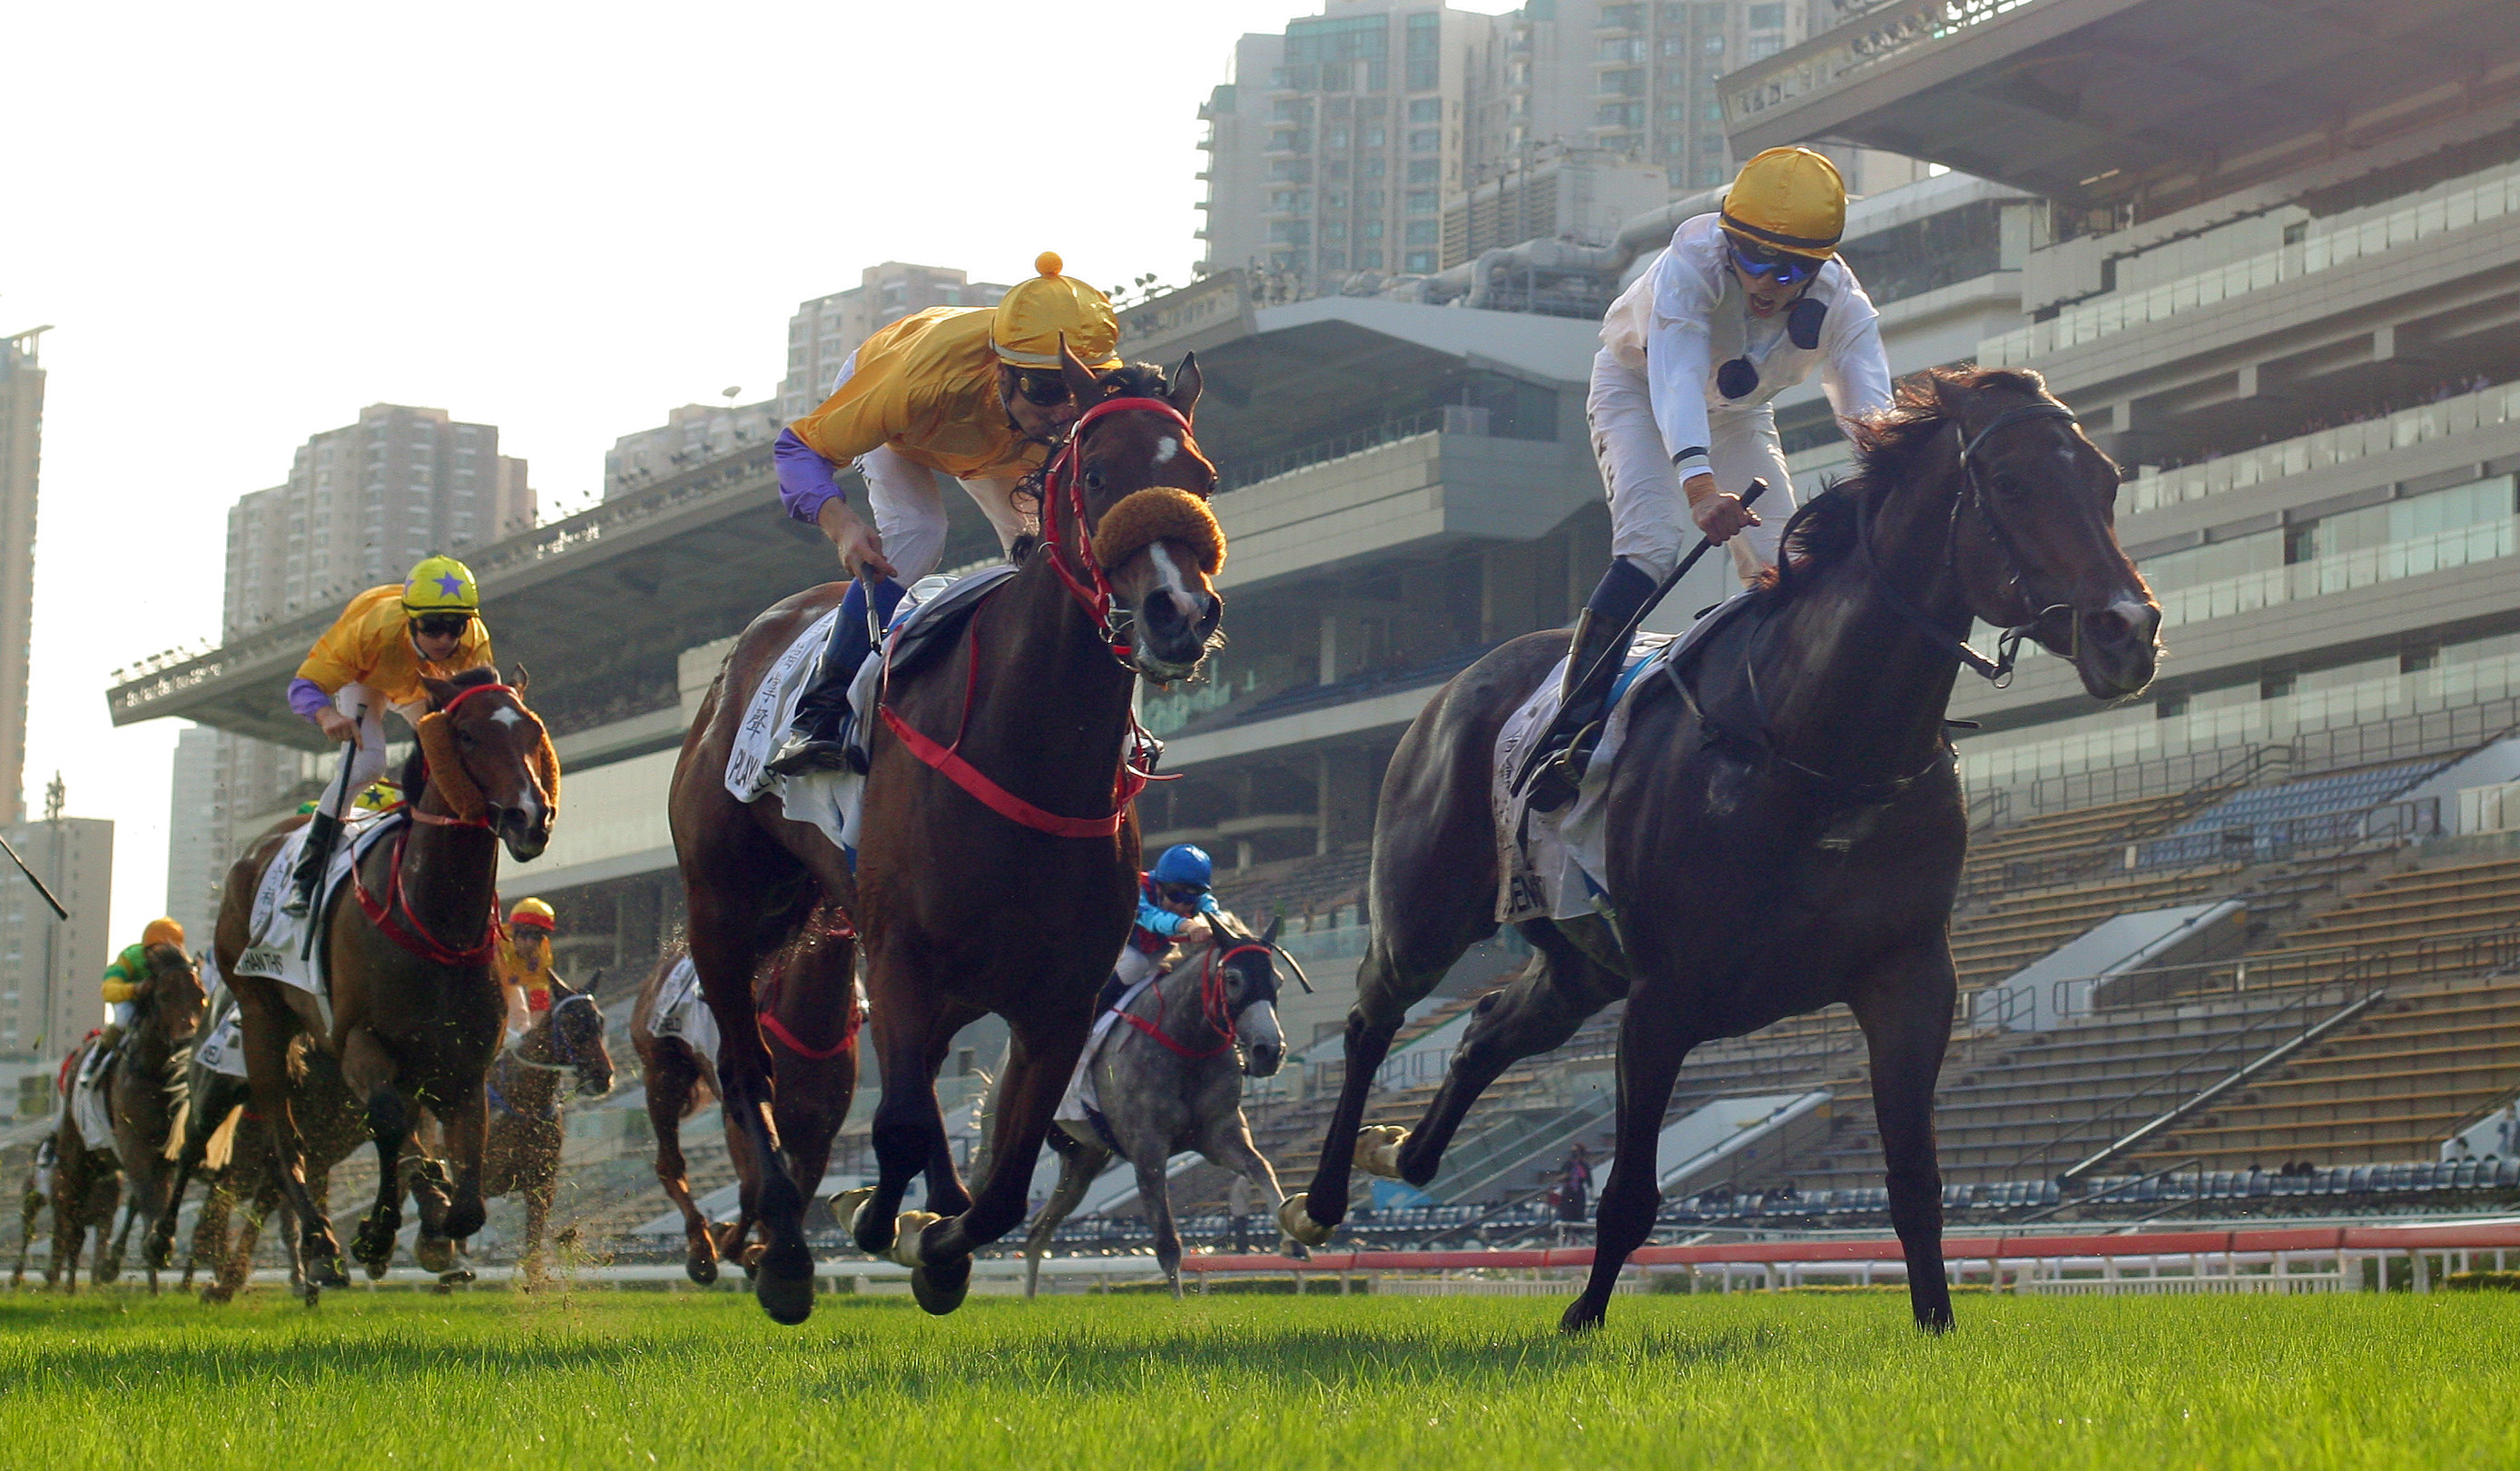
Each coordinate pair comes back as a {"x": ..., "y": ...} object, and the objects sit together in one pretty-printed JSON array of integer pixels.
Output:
[{"x": 1169, "y": 1079}]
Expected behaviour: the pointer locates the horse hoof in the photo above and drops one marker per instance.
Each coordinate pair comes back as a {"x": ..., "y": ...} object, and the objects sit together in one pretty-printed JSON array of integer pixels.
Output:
[
  {"x": 314, "y": 1295},
  {"x": 1377, "y": 1149},
  {"x": 458, "y": 1277},
  {"x": 1297, "y": 1221},
  {"x": 434, "y": 1253},
  {"x": 941, "y": 1288},
  {"x": 1580, "y": 1316},
  {"x": 376, "y": 1270},
  {"x": 906, "y": 1232},
  {"x": 1295, "y": 1251},
  {"x": 108, "y": 1271},
  {"x": 326, "y": 1272},
  {"x": 850, "y": 1207},
  {"x": 700, "y": 1268},
  {"x": 789, "y": 1301}
]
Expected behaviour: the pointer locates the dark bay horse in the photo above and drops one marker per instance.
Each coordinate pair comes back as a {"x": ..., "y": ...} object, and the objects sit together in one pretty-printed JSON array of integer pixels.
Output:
[
  {"x": 415, "y": 1014},
  {"x": 1169, "y": 1078},
  {"x": 1797, "y": 844},
  {"x": 1030, "y": 808},
  {"x": 90, "y": 1178},
  {"x": 813, "y": 1085},
  {"x": 521, "y": 1154}
]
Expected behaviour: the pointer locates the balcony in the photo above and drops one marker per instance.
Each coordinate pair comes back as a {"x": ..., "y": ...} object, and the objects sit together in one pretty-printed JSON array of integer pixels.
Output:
[{"x": 2451, "y": 417}]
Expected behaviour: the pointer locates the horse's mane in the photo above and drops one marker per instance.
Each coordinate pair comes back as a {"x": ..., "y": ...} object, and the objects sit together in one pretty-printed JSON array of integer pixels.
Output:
[{"x": 1887, "y": 446}]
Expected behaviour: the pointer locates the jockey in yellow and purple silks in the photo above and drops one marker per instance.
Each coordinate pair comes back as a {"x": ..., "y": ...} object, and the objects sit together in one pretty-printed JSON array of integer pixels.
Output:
[
  {"x": 970, "y": 391},
  {"x": 374, "y": 656}
]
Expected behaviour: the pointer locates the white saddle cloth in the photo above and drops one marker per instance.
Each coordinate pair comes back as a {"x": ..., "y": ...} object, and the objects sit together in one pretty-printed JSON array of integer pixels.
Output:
[
  {"x": 683, "y": 1014},
  {"x": 222, "y": 1045},
  {"x": 88, "y": 1106},
  {"x": 1082, "y": 1094},
  {"x": 1549, "y": 864},
  {"x": 273, "y": 937},
  {"x": 828, "y": 800}
]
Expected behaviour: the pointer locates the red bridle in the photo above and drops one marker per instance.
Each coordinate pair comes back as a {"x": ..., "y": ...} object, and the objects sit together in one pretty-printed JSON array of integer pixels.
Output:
[
  {"x": 392, "y": 914},
  {"x": 1212, "y": 1006},
  {"x": 1063, "y": 512}
]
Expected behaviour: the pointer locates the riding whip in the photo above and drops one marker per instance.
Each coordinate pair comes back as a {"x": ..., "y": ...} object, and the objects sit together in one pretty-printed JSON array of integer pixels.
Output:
[
  {"x": 342, "y": 800},
  {"x": 1617, "y": 648},
  {"x": 31, "y": 878}
]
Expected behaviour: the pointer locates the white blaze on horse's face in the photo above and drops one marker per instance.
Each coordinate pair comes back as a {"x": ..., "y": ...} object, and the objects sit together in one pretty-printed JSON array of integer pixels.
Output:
[{"x": 1173, "y": 608}]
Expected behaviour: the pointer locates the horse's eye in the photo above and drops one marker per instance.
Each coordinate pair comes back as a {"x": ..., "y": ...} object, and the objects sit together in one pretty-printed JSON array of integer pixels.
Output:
[
  {"x": 465, "y": 738},
  {"x": 1093, "y": 478}
]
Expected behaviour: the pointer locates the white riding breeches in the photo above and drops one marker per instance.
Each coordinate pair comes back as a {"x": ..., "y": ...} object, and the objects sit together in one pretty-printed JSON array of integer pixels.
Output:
[
  {"x": 1135, "y": 965},
  {"x": 1650, "y": 520},
  {"x": 910, "y": 508},
  {"x": 367, "y": 709},
  {"x": 119, "y": 1014}
]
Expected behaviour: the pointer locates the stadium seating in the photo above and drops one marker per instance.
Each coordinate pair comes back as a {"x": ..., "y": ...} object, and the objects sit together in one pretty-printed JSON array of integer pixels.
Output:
[{"x": 2264, "y": 822}]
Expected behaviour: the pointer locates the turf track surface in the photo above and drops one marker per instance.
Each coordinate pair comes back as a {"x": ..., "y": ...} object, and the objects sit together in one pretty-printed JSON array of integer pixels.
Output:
[{"x": 599, "y": 1379}]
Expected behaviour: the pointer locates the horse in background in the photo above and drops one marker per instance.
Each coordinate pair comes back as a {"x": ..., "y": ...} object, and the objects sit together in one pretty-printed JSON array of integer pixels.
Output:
[
  {"x": 142, "y": 1081},
  {"x": 1783, "y": 830},
  {"x": 1168, "y": 1078},
  {"x": 813, "y": 1085},
  {"x": 520, "y": 1155},
  {"x": 416, "y": 1015}
]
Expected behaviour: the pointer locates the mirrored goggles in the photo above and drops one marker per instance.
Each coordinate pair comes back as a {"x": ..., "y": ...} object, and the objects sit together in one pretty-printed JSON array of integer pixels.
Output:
[
  {"x": 1044, "y": 390},
  {"x": 441, "y": 624},
  {"x": 1774, "y": 265}
]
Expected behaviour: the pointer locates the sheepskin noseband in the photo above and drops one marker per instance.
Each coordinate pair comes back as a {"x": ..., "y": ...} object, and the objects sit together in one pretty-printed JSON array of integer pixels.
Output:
[{"x": 1160, "y": 513}]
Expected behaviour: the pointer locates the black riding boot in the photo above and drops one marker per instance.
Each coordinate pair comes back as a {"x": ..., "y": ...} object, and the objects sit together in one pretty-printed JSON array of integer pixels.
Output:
[
  {"x": 816, "y": 740},
  {"x": 321, "y": 834},
  {"x": 1555, "y": 767}
]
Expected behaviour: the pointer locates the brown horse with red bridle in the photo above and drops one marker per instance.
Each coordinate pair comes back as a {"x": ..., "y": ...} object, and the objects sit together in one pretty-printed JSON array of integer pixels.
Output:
[
  {"x": 415, "y": 1014},
  {"x": 998, "y": 865}
]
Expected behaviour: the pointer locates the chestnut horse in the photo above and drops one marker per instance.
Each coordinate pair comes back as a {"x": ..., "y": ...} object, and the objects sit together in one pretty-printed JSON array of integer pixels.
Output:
[
  {"x": 1783, "y": 831},
  {"x": 521, "y": 1154},
  {"x": 1042, "y": 714},
  {"x": 801, "y": 986},
  {"x": 90, "y": 1176},
  {"x": 415, "y": 1014}
]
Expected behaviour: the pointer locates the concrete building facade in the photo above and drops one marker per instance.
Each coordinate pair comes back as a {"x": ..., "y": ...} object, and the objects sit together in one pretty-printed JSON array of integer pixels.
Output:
[
  {"x": 49, "y": 966},
  {"x": 22, "y": 446},
  {"x": 197, "y": 855},
  {"x": 690, "y": 436}
]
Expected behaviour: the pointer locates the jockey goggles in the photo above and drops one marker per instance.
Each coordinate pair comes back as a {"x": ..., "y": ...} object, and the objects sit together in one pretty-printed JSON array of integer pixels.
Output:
[
  {"x": 1760, "y": 263},
  {"x": 1181, "y": 893},
  {"x": 442, "y": 624},
  {"x": 1042, "y": 387}
]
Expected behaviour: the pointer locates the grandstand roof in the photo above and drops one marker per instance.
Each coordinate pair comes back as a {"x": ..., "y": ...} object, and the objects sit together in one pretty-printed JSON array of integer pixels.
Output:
[{"x": 2151, "y": 103}]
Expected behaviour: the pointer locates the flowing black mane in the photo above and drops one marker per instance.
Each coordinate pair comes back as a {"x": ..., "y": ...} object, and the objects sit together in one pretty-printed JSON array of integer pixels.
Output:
[{"x": 1887, "y": 446}]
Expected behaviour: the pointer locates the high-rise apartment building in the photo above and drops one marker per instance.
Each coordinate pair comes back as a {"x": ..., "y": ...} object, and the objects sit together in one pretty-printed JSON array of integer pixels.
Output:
[
  {"x": 362, "y": 503},
  {"x": 824, "y": 331},
  {"x": 21, "y": 440},
  {"x": 1341, "y": 143},
  {"x": 197, "y": 860},
  {"x": 49, "y": 966},
  {"x": 689, "y": 436}
]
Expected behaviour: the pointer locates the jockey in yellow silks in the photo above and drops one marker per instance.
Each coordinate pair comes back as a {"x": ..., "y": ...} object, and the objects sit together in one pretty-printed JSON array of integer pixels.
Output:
[
  {"x": 970, "y": 391},
  {"x": 1741, "y": 305},
  {"x": 524, "y": 962},
  {"x": 374, "y": 656}
]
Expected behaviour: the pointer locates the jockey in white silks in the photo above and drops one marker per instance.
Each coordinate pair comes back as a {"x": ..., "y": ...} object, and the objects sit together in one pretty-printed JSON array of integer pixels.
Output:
[{"x": 1741, "y": 305}]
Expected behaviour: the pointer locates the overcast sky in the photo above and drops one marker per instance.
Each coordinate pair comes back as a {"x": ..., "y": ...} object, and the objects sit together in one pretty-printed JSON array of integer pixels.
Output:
[{"x": 245, "y": 222}]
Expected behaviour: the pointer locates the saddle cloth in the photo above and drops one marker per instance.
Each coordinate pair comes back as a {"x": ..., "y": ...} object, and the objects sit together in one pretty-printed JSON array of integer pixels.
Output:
[
  {"x": 1549, "y": 864},
  {"x": 222, "y": 1045},
  {"x": 830, "y": 800},
  {"x": 275, "y": 938},
  {"x": 88, "y": 1102},
  {"x": 682, "y": 1014},
  {"x": 1083, "y": 1100}
]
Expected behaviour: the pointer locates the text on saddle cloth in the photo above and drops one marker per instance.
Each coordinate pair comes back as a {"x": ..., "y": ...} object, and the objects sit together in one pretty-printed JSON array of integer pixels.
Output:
[
  {"x": 682, "y": 1013},
  {"x": 830, "y": 800},
  {"x": 274, "y": 937},
  {"x": 1549, "y": 864}
]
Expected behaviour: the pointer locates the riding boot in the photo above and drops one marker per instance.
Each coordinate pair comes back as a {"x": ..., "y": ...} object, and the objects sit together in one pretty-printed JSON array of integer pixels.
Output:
[
  {"x": 818, "y": 737},
  {"x": 323, "y": 833},
  {"x": 1554, "y": 769}
]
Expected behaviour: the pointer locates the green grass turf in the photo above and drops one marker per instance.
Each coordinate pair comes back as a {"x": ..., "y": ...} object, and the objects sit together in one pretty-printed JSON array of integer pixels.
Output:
[{"x": 595, "y": 1379}]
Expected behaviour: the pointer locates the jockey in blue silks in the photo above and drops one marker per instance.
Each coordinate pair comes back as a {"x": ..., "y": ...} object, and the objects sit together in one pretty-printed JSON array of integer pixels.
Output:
[{"x": 1173, "y": 900}]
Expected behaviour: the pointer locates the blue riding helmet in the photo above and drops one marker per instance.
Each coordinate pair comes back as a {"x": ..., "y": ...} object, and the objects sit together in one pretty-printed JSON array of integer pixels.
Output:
[{"x": 1185, "y": 864}]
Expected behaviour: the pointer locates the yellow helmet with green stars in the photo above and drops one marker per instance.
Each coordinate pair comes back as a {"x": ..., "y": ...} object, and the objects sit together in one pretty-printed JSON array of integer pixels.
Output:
[{"x": 441, "y": 584}]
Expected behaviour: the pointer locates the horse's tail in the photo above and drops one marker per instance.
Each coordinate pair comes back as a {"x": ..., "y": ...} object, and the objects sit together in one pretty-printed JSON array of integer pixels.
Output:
[
  {"x": 178, "y": 1125},
  {"x": 220, "y": 1151}
]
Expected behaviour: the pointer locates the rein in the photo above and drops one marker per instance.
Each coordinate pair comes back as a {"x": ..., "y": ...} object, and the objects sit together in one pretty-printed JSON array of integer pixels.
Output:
[
  {"x": 1997, "y": 671},
  {"x": 769, "y": 1022},
  {"x": 408, "y": 930},
  {"x": 1063, "y": 517},
  {"x": 1213, "y": 976}
]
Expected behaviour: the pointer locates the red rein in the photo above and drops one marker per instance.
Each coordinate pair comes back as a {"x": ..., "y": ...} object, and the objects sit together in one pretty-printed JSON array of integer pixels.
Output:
[
  {"x": 1062, "y": 513},
  {"x": 1211, "y": 1008},
  {"x": 392, "y": 914}
]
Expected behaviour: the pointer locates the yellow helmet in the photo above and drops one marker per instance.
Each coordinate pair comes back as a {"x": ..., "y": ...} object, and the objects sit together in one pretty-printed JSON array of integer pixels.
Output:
[
  {"x": 162, "y": 931},
  {"x": 532, "y": 914},
  {"x": 1789, "y": 199},
  {"x": 441, "y": 584},
  {"x": 1035, "y": 314}
]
